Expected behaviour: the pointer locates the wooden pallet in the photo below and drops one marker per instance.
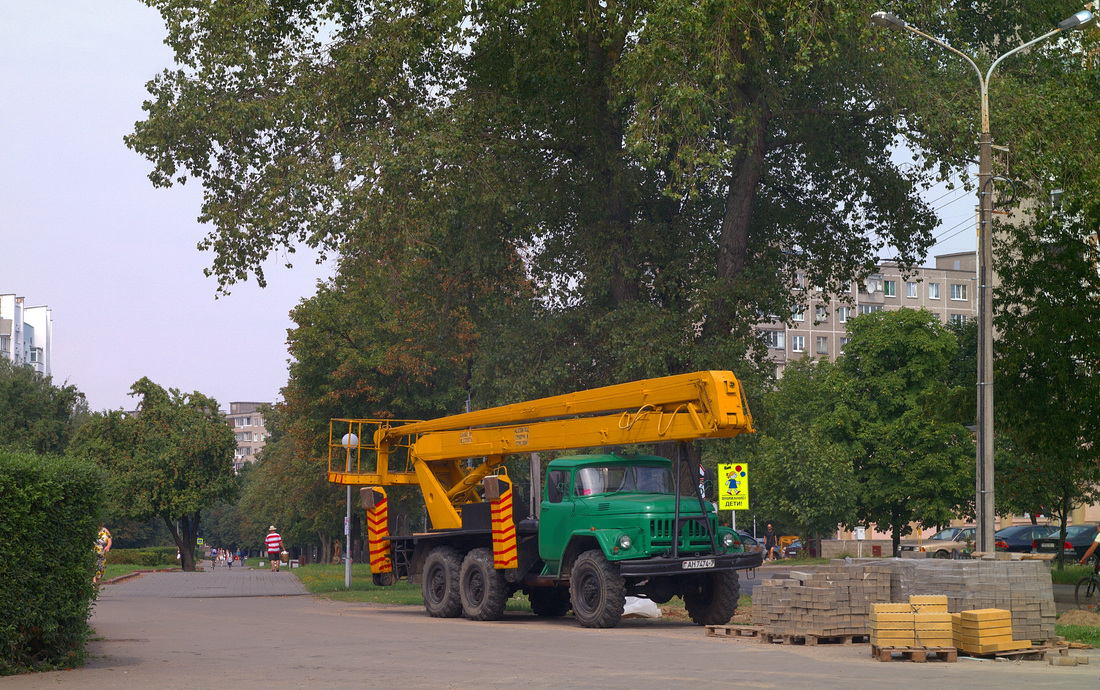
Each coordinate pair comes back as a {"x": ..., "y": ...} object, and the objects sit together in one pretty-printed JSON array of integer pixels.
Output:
[
  {"x": 811, "y": 639},
  {"x": 732, "y": 631},
  {"x": 1029, "y": 654},
  {"x": 918, "y": 654}
]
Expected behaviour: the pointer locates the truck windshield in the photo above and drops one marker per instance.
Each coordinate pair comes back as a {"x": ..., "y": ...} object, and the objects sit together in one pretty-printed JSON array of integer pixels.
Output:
[{"x": 591, "y": 481}]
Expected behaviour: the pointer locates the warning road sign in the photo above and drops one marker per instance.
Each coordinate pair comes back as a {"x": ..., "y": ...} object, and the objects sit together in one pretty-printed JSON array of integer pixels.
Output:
[{"x": 733, "y": 486}]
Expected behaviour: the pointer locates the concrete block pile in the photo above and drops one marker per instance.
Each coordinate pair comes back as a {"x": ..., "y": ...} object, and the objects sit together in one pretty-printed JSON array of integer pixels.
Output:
[
  {"x": 1021, "y": 587},
  {"x": 834, "y": 601}
]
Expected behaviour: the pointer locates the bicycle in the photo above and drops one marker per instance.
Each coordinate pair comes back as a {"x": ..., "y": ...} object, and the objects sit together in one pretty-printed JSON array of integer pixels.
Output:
[{"x": 1087, "y": 592}]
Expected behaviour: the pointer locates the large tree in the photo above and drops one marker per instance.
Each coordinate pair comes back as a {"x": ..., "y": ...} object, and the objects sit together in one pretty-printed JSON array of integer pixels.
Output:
[
  {"x": 37, "y": 415},
  {"x": 1048, "y": 383},
  {"x": 913, "y": 463},
  {"x": 171, "y": 459},
  {"x": 656, "y": 171}
]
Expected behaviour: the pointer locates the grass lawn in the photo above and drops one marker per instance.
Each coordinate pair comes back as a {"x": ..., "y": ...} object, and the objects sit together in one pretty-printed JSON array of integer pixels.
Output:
[
  {"x": 1079, "y": 633},
  {"x": 1070, "y": 575},
  {"x": 117, "y": 569}
]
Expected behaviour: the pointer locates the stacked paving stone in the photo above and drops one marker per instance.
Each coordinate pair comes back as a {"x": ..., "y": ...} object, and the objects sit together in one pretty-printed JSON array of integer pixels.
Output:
[
  {"x": 1021, "y": 587},
  {"x": 923, "y": 622},
  {"x": 984, "y": 631},
  {"x": 832, "y": 602}
]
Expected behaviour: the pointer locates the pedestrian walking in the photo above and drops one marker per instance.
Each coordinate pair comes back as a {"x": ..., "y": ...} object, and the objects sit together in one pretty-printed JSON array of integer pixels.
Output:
[
  {"x": 102, "y": 546},
  {"x": 274, "y": 545},
  {"x": 770, "y": 543}
]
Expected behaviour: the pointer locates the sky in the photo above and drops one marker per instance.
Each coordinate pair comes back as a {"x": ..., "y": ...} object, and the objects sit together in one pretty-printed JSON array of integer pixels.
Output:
[{"x": 83, "y": 231}]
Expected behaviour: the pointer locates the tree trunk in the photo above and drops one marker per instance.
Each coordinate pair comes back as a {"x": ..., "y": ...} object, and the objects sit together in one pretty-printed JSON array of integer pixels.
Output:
[
  {"x": 733, "y": 244},
  {"x": 895, "y": 534},
  {"x": 326, "y": 546},
  {"x": 185, "y": 537}
]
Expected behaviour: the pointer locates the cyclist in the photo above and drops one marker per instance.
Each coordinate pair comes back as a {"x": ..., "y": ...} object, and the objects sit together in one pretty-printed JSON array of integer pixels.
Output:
[{"x": 1092, "y": 546}]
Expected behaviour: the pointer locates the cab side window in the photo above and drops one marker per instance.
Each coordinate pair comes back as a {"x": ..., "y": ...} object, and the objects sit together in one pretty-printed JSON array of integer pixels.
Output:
[{"x": 557, "y": 485}]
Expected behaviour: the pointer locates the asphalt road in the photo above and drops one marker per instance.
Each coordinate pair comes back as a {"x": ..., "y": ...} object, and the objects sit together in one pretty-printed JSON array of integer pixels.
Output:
[{"x": 233, "y": 628}]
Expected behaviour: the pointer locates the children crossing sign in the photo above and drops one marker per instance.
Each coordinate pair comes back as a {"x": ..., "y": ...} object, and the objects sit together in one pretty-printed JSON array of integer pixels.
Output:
[{"x": 733, "y": 486}]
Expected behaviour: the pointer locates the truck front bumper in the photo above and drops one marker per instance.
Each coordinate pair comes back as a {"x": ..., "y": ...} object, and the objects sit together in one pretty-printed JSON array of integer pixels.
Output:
[{"x": 686, "y": 565}]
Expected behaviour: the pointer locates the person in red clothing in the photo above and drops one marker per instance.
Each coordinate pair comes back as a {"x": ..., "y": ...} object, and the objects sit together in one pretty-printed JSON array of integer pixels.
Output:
[{"x": 274, "y": 546}]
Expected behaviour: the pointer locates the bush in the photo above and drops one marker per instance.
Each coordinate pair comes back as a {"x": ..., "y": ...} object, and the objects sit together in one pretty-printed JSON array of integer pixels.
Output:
[
  {"x": 151, "y": 557},
  {"x": 49, "y": 516}
]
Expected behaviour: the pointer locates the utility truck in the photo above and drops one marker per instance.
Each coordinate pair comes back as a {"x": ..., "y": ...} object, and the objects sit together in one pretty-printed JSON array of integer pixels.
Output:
[{"x": 608, "y": 525}]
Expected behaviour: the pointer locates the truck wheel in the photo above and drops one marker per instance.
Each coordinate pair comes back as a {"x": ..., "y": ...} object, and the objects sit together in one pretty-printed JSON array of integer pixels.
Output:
[
  {"x": 549, "y": 602},
  {"x": 711, "y": 598},
  {"x": 597, "y": 591},
  {"x": 484, "y": 592},
  {"x": 441, "y": 590}
]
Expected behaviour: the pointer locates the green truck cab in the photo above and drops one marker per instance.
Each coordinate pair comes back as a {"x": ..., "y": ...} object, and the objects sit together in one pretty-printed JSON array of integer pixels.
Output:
[{"x": 606, "y": 530}]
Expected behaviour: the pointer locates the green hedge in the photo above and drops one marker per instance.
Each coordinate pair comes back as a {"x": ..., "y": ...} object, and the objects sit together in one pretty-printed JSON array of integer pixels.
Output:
[
  {"x": 152, "y": 556},
  {"x": 49, "y": 516}
]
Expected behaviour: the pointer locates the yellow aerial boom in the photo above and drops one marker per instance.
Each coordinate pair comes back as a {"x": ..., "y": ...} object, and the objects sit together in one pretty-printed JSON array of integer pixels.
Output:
[{"x": 434, "y": 454}]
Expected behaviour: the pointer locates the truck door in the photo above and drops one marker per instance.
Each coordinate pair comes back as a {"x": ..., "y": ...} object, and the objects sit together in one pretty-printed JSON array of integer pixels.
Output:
[{"x": 556, "y": 517}]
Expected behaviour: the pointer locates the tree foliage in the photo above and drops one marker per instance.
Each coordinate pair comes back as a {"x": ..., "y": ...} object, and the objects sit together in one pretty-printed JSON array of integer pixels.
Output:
[
  {"x": 1047, "y": 387},
  {"x": 37, "y": 415},
  {"x": 172, "y": 459},
  {"x": 803, "y": 479},
  {"x": 634, "y": 182},
  {"x": 912, "y": 462}
]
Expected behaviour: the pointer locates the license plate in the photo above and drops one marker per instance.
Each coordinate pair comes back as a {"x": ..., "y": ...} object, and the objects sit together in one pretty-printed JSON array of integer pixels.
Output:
[{"x": 702, "y": 563}]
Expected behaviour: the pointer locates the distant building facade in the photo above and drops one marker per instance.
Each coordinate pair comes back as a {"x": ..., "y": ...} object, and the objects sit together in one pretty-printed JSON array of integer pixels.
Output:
[
  {"x": 26, "y": 333},
  {"x": 247, "y": 421},
  {"x": 820, "y": 329}
]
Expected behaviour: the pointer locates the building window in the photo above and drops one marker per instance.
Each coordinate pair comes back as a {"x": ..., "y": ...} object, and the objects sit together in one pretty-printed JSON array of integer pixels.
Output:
[
  {"x": 248, "y": 421},
  {"x": 911, "y": 288},
  {"x": 798, "y": 343},
  {"x": 958, "y": 319},
  {"x": 774, "y": 339},
  {"x": 869, "y": 308},
  {"x": 822, "y": 345},
  {"x": 821, "y": 313},
  {"x": 843, "y": 314},
  {"x": 933, "y": 291},
  {"x": 800, "y": 281},
  {"x": 958, "y": 291},
  {"x": 799, "y": 314},
  {"x": 843, "y": 344},
  {"x": 890, "y": 288}
]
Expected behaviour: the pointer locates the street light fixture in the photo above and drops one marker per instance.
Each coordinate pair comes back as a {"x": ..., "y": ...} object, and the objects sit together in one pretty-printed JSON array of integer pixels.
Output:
[
  {"x": 983, "y": 501},
  {"x": 349, "y": 441}
]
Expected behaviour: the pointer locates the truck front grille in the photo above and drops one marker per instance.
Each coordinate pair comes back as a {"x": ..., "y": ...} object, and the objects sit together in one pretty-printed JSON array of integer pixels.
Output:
[{"x": 692, "y": 533}]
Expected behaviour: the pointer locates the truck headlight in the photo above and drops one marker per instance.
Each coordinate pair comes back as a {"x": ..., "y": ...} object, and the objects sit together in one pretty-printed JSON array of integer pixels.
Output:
[
  {"x": 727, "y": 540},
  {"x": 625, "y": 542}
]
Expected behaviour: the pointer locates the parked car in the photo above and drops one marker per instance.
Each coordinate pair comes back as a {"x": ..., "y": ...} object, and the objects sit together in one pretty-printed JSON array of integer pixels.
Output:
[
  {"x": 1020, "y": 537},
  {"x": 946, "y": 542},
  {"x": 749, "y": 542},
  {"x": 797, "y": 549},
  {"x": 1078, "y": 540}
]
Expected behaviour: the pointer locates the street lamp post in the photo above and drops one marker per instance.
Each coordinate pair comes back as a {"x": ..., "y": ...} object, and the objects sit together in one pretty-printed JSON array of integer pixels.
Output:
[
  {"x": 984, "y": 481},
  {"x": 349, "y": 441}
]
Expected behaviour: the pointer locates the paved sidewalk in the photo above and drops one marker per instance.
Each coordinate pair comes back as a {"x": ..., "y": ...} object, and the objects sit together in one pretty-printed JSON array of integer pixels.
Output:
[{"x": 211, "y": 582}]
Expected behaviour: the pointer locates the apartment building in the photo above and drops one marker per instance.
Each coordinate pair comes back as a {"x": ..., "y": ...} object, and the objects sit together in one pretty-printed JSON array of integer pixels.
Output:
[
  {"x": 247, "y": 421},
  {"x": 26, "y": 333},
  {"x": 819, "y": 329}
]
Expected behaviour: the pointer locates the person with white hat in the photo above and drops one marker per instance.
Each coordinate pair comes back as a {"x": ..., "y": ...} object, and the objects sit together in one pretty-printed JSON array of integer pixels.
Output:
[{"x": 274, "y": 546}]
